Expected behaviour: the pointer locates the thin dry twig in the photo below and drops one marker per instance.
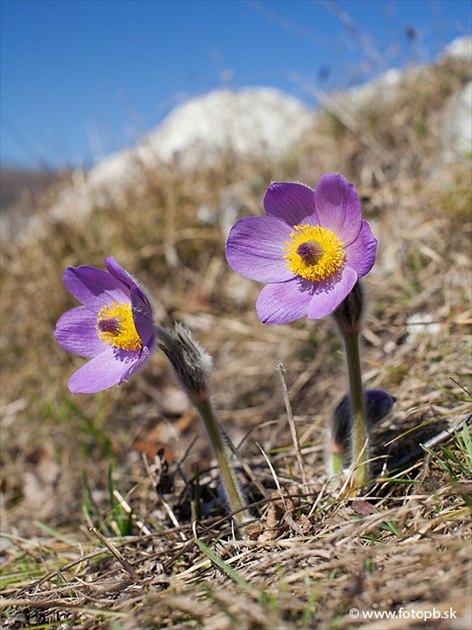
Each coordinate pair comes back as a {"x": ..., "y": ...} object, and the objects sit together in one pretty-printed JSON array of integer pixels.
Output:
[
  {"x": 293, "y": 429},
  {"x": 118, "y": 555}
]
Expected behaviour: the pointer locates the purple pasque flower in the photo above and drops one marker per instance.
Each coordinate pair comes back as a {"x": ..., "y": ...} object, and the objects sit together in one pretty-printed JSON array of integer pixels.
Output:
[
  {"x": 309, "y": 250},
  {"x": 114, "y": 327}
]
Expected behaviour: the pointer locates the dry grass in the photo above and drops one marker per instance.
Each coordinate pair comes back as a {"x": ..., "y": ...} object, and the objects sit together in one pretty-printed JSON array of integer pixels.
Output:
[{"x": 90, "y": 542}]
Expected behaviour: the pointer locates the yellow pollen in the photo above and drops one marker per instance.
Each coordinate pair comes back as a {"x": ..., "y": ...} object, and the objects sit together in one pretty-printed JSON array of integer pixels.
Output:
[
  {"x": 115, "y": 326},
  {"x": 313, "y": 253}
]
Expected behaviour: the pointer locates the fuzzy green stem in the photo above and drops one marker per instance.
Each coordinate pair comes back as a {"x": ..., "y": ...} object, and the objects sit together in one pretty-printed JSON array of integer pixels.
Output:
[
  {"x": 359, "y": 431},
  {"x": 336, "y": 463},
  {"x": 217, "y": 440}
]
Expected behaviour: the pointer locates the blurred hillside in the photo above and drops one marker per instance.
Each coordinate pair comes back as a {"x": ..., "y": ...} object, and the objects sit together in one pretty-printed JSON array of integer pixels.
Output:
[
  {"x": 17, "y": 181},
  {"x": 255, "y": 122}
]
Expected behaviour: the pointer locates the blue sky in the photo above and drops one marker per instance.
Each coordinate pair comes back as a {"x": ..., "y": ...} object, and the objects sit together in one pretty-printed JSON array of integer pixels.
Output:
[{"x": 83, "y": 78}]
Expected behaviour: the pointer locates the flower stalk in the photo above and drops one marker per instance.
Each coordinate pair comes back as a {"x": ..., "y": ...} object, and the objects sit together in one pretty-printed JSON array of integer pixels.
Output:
[
  {"x": 348, "y": 317},
  {"x": 192, "y": 366},
  {"x": 219, "y": 443},
  {"x": 359, "y": 430}
]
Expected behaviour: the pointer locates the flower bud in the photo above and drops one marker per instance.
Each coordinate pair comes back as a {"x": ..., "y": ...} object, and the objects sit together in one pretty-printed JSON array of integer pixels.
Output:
[
  {"x": 378, "y": 404},
  {"x": 349, "y": 313},
  {"x": 191, "y": 363}
]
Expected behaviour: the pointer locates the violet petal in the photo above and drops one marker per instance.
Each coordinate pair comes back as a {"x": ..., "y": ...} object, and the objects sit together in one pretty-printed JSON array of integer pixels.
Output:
[
  {"x": 94, "y": 287},
  {"x": 330, "y": 293},
  {"x": 141, "y": 361},
  {"x": 291, "y": 202},
  {"x": 338, "y": 207},
  {"x": 76, "y": 332},
  {"x": 255, "y": 249},
  {"x": 103, "y": 371},
  {"x": 119, "y": 273},
  {"x": 284, "y": 302},
  {"x": 142, "y": 316},
  {"x": 360, "y": 255}
]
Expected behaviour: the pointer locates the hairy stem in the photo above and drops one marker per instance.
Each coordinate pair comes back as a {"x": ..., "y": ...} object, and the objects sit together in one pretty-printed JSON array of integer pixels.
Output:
[
  {"x": 336, "y": 463},
  {"x": 359, "y": 430},
  {"x": 221, "y": 449}
]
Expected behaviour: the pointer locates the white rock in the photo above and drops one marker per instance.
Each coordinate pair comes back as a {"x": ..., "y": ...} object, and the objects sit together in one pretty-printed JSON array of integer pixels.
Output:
[
  {"x": 383, "y": 88},
  {"x": 254, "y": 121},
  {"x": 460, "y": 48},
  {"x": 457, "y": 124}
]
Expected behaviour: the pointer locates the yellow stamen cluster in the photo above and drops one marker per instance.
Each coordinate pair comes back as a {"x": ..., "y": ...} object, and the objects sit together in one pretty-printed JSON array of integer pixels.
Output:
[
  {"x": 115, "y": 326},
  {"x": 313, "y": 253}
]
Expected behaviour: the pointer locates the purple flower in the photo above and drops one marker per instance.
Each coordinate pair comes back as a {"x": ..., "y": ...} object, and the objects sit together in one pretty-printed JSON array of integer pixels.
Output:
[
  {"x": 114, "y": 327},
  {"x": 309, "y": 250}
]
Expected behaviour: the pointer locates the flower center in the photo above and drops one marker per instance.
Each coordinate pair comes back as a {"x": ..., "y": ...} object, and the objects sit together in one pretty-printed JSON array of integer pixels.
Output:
[
  {"x": 115, "y": 326},
  {"x": 313, "y": 252}
]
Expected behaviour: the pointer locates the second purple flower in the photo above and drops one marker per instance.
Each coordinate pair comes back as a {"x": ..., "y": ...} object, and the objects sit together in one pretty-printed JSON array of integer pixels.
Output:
[
  {"x": 114, "y": 327},
  {"x": 309, "y": 250}
]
